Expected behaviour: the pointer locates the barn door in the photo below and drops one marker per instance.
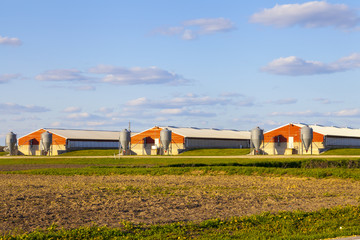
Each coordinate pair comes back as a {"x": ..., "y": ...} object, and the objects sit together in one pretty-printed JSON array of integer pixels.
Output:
[{"x": 291, "y": 142}]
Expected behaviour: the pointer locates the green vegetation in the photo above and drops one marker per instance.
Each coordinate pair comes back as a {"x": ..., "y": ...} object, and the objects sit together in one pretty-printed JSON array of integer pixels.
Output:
[
  {"x": 303, "y": 167},
  {"x": 195, "y": 152},
  {"x": 214, "y": 170},
  {"x": 325, "y": 223},
  {"x": 343, "y": 151},
  {"x": 217, "y": 152},
  {"x": 4, "y": 153},
  {"x": 92, "y": 152},
  {"x": 150, "y": 161}
]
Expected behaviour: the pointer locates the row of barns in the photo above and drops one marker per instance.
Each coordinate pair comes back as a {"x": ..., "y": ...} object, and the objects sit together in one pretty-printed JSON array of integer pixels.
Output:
[{"x": 285, "y": 139}]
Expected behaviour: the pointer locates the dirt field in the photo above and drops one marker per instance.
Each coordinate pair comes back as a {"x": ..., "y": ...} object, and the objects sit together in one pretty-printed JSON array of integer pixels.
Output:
[{"x": 35, "y": 201}]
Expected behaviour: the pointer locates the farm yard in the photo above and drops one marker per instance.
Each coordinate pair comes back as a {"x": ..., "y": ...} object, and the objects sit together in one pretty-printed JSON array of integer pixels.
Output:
[{"x": 197, "y": 197}]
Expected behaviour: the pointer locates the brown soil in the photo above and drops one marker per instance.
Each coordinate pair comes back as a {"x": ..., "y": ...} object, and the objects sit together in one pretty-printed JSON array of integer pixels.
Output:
[{"x": 34, "y": 201}]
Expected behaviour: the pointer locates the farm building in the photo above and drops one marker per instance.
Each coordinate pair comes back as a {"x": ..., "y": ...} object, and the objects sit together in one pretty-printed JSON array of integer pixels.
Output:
[
  {"x": 64, "y": 140},
  {"x": 148, "y": 142},
  {"x": 287, "y": 139}
]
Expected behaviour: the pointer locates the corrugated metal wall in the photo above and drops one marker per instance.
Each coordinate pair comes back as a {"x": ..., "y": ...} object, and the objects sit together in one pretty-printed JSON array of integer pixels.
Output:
[
  {"x": 342, "y": 142},
  {"x": 215, "y": 143},
  {"x": 91, "y": 144}
]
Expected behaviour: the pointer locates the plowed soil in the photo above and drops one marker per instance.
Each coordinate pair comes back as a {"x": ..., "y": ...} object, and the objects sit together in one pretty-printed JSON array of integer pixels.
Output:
[{"x": 28, "y": 202}]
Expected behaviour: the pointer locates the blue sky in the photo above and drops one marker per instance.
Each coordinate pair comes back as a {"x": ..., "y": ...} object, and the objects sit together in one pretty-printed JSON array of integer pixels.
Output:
[{"x": 212, "y": 64}]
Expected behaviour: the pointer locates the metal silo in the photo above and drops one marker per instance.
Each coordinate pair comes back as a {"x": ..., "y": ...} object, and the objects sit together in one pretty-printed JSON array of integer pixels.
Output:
[
  {"x": 11, "y": 142},
  {"x": 165, "y": 139},
  {"x": 306, "y": 133},
  {"x": 257, "y": 137},
  {"x": 46, "y": 142},
  {"x": 125, "y": 139}
]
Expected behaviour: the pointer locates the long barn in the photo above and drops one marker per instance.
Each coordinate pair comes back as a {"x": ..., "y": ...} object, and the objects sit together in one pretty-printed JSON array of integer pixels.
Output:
[
  {"x": 286, "y": 139},
  {"x": 148, "y": 142},
  {"x": 64, "y": 140}
]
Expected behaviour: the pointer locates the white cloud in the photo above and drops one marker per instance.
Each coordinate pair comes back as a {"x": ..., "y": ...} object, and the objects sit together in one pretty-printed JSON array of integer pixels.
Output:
[
  {"x": 309, "y": 15},
  {"x": 5, "y": 78},
  {"x": 84, "y": 116},
  {"x": 191, "y": 29},
  {"x": 85, "y": 88},
  {"x": 283, "y": 101},
  {"x": 211, "y": 25},
  {"x": 231, "y": 94},
  {"x": 55, "y": 124},
  {"x": 187, "y": 100},
  {"x": 62, "y": 75},
  {"x": 137, "y": 75},
  {"x": 325, "y": 101},
  {"x": 77, "y": 116},
  {"x": 294, "y": 66},
  {"x": 22, "y": 119},
  {"x": 355, "y": 112},
  {"x": 347, "y": 113},
  {"x": 186, "y": 112},
  {"x": 72, "y": 109},
  {"x": 106, "y": 110},
  {"x": 10, "y": 41},
  {"x": 95, "y": 124},
  {"x": 13, "y": 108},
  {"x": 307, "y": 113}
]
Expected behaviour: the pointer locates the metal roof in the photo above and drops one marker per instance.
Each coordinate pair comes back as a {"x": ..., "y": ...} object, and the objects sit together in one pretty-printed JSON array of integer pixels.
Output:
[
  {"x": 85, "y": 134},
  {"x": 334, "y": 131},
  {"x": 192, "y": 132},
  {"x": 329, "y": 131}
]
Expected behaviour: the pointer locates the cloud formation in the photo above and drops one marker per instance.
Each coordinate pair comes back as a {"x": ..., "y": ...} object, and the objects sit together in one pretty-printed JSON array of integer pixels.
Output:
[
  {"x": 284, "y": 101},
  {"x": 5, "y": 78},
  {"x": 187, "y": 100},
  {"x": 355, "y": 112},
  {"x": 307, "y": 113},
  {"x": 186, "y": 112},
  {"x": 62, "y": 75},
  {"x": 294, "y": 66},
  {"x": 325, "y": 101},
  {"x": 13, "y": 108},
  {"x": 83, "y": 116},
  {"x": 309, "y": 15},
  {"x": 10, "y": 41},
  {"x": 137, "y": 75},
  {"x": 72, "y": 109},
  {"x": 192, "y": 29}
]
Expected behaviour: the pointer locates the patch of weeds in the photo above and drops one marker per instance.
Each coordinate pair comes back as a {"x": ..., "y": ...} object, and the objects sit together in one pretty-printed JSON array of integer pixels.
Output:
[
  {"x": 132, "y": 189},
  {"x": 327, "y": 194}
]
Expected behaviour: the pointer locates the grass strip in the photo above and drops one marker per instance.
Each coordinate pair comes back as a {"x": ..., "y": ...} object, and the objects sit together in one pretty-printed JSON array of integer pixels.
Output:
[
  {"x": 181, "y": 162},
  {"x": 343, "y": 151},
  {"x": 217, "y": 152},
  {"x": 325, "y": 223},
  {"x": 198, "y": 171},
  {"x": 92, "y": 152}
]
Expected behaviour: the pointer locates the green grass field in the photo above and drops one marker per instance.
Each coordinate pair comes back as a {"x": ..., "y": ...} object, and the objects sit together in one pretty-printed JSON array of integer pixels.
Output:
[
  {"x": 195, "y": 152},
  {"x": 92, "y": 152},
  {"x": 325, "y": 223},
  {"x": 216, "y": 152},
  {"x": 3, "y": 153},
  {"x": 343, "y": 151},
  {"x": 305, "y": 167}
]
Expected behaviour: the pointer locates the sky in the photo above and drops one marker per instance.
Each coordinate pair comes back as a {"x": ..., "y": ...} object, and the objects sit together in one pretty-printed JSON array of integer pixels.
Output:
[{"x": 208, "y": 64}]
